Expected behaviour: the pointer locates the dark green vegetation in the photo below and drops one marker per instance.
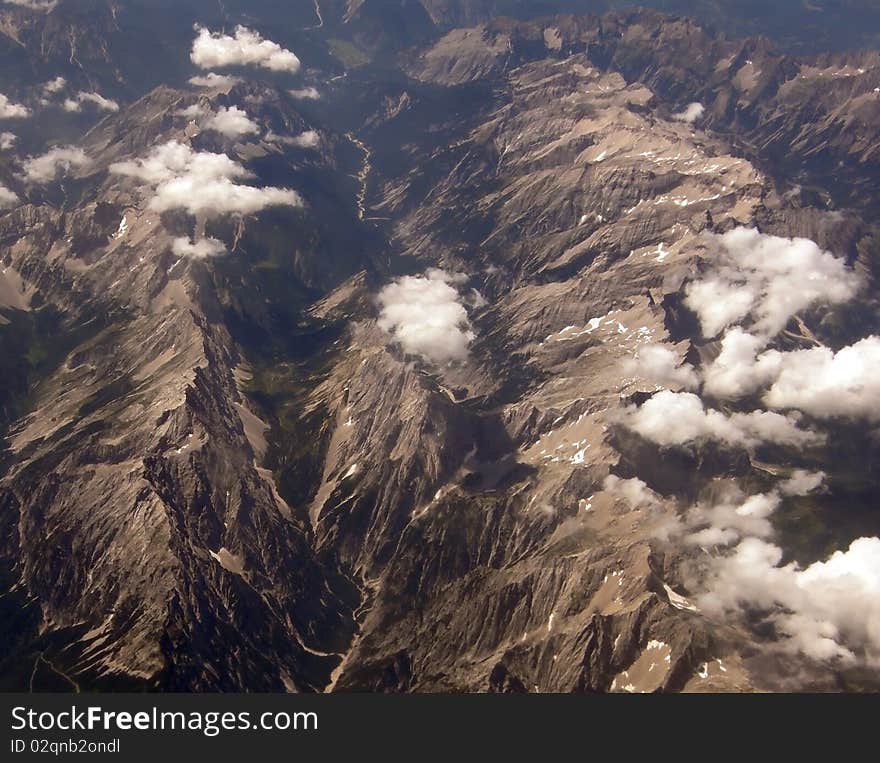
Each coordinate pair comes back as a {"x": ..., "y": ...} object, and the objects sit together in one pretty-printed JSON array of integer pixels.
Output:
[{"x": 278, "y": 270}]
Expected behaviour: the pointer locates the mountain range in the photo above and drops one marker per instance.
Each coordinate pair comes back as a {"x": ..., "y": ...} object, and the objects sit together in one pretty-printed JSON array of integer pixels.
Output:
[{"x": 439, "y": 346}]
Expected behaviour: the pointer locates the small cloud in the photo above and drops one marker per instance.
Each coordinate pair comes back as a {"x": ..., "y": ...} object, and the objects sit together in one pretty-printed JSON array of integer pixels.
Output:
[
  {"x": 767, "y": 279},
  {"x": 736, "y": 371},
  {"x": 635, "y": 491},
  {"x": 826, "y": 384},
  {"x": 45, "y": 168},
  {"x": 305, "y": 94},
  {"x": 55, "y": 85},
  {"x": 10, "y": 110},
  {"x": 75, "y": 104},
  {"x": 232, "y": 122},
  {"x": 247, "y": 48},
  {"x": 34, "y": 5},
  {"x": 214, "y": 80},
  {"x": 205, "y": 247},
  {"x": 817, "y": 381},
  {"x": 802, "y": 482},
  {"x": 201, "y": 182},
  {"x": 676, "y": 418},
  {"x": 729, "y": 519},
  {"x": 661, "y": 365},
  {"x": 8, "y": 198},
  {"x": 691, "y": 113},
  {"x": 104, "y": 104},
  {"x": 193, "y": 111},
  {"x": 7, "y": 140},
  {"x": 167, "y": 161},
  {"x": 307, "y": 139},
  {"x": 425, "y": 316}
]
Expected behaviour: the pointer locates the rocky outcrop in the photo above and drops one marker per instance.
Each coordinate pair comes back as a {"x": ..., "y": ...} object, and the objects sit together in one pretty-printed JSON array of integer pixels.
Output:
[
  {"x": 806, "y": 120},
  {"x": 135, "y": 512}
]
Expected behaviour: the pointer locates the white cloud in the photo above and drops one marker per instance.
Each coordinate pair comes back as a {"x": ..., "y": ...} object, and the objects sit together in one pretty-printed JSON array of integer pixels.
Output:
[
  {"x": 103, "y": 104},
  {"x": 737, "y": 371},
  {"x": 214, "y": 80},
  {"x": 425, "y": 316},
  {"x": 246, "y": 48},
  {"x": 829, "y": 611},
  {"x": 193, "y": 111},
  {"x": 802, "y": 482},
  {"x": 206, "y": 247},
  {"x": 305, "y": 94},
  {"x": 728, "y": 520},
  {"x": 203, "y": 194},
  {"x": 817, "y": 381},
  {"x": 232, "y": 122},
  {"x": 767, "y": 278},
  {"x": 166, "y": 162},
  {"x": 827, "y": 384},
  {"x": 55, "y": 85},
  {"x": 7, "y": 140},
  {"x": 659, "y": 364},
  {"x": 45, "y": 168},
  {"x": 691, "y": 113},
  {"x": 635, "y": 491},
  {"x": 34, "y": 5},
  {"x": 7, "y": 198},
  {"x": 675, "y": 418},
  {"x": 10, "y": 110},
  {"x": 719, "y": 303},
  {"x": 732, "y": 515},
  {"x": 307, "y": 139},
  {"x": 201, "y": 182}
]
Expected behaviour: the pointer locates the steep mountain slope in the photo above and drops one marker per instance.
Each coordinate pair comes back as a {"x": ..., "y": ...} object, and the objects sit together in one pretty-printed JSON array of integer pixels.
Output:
[
  {"x": 809, "y": 123},
  {"x": 579, "y": 209},
  {"x": 134, "y": 512}
]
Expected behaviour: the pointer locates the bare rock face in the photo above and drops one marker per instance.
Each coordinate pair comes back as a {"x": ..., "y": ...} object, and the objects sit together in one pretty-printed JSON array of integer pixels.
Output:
[
  {"x": 806, "y": 120},
  {"x": 136, "y": 512},
  {"x": 592, "y": 206},
  {"x": 578, "y": 201},
  {"x": 235, "y": 473}
]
